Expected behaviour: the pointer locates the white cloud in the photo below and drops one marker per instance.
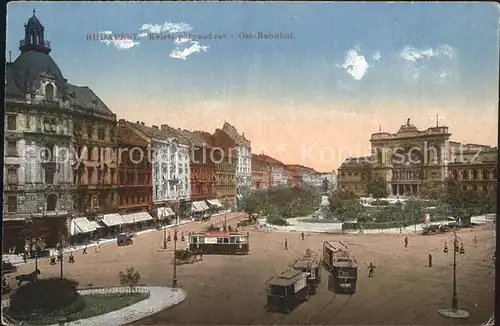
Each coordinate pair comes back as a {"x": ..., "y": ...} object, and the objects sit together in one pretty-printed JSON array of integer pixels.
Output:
[
  {"x": 166, "y": 28},
  {"x": 355, "y": 64},
  {"x": 438, "y": 64},
  {"x": 182, "y": 39},
  {"x": 377, "y": 56},
  {"x": 182, "y": 54},
  {"x": 118, "y": 42},
  {"x": 414, "y": 55}
]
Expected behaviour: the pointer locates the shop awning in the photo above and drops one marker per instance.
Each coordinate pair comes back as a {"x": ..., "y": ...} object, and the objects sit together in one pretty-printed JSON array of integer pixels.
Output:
[
  {"x": 96, "y": 224},
  {"x": 112, "y": 219},
  {"x": 81, "y": 225},
  {"x": 136, "y": 217},
  {"x": 204, "y": 205},
  {"x": 216, "y": 202},
  {"x": 196, "y": 207},
  {"x": 165, "y": 212}
]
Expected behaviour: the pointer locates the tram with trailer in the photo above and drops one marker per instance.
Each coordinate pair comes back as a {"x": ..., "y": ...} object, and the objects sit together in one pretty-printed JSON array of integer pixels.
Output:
[{"x": 342, "y": 266}]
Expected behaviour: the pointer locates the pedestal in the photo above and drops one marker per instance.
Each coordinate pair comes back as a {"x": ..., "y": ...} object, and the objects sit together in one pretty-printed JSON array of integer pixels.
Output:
[{"x": 454, "y": 313}]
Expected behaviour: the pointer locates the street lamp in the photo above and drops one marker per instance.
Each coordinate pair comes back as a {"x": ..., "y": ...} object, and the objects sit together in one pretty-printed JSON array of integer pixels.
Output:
[
  {"x": 454, "y": 312},
  {"x": 164, "y": 229},
  {"x": 61, "y": 258},
  {"x": 174, "y": 277}
]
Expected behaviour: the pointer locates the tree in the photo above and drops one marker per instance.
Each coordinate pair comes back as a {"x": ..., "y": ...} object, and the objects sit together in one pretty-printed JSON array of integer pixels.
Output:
[
  {"x": 336, "y": 198},
  {"x": 352, "y": 210},
  {"x": 325, "y": 185},
  {"x": 130, "y": 278},
  {"x": 413, "y": 211},
  {"x": 377, "y": 187}
]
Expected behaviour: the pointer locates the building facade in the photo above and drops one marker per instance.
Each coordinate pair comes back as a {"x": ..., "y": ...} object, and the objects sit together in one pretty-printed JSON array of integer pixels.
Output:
[
  {"x": 260, "y": 173},
  {"x": 411, "y": 159},
  {"x": 278, "y": 177},
  {"x": 202, "y": 168},
  {"x": 225, "y": 158},
  {"x": 244, "y": 154},
  {"x": 135, "y": 186},
  {"x": 40, "y": 108}
]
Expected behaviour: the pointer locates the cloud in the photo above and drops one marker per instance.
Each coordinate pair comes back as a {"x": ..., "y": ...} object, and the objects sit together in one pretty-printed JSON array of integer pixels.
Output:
[
  {"x": 119, "y": 42},
  {"x": 439, "y": 64},
  {"x": 182, "y": 54},
  {"x": 377, "y": 56},
  {"x": 355, "y": 64},
  {"x": 414, "y": 55},
  {"x": 166, "y": 28}
]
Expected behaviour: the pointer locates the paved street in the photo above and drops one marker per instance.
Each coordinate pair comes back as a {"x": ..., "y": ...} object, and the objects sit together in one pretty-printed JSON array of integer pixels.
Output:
[{"x": 230, "y": 289}]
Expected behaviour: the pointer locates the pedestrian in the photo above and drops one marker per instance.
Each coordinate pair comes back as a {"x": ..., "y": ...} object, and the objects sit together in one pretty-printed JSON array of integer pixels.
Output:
[
  {"x": 84, "y": 252},
  {"x": 286, "y": 245},
  {"x": 406, "y": 242},
  {"x": 430, "y": 260},
  {"x": 302, "y": 235},
  {"x": 445, "y": 249},
  {"x": 371, "y": 268},
  {"x": 25, "y": 257},
  {"x": 475, "y": 241}
]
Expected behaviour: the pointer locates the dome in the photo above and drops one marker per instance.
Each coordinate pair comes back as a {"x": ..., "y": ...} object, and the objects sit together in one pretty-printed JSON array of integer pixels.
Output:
[
  {"x": 29, "y": 66},
  {"x": 33, "y": 21}
]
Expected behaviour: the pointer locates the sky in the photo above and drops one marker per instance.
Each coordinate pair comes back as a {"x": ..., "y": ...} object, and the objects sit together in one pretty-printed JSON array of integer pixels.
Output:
[{"x": 346, "y": 70}]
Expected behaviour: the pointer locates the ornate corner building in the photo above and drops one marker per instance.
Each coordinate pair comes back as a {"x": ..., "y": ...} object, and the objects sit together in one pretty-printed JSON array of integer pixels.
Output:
[
  {"x": 39, "y": 113},
  {"x": 411, "y": 159}
]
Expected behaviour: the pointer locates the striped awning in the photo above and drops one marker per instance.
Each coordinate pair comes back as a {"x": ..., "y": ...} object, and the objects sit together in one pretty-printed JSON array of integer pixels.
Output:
[
  {"x": 197, "y": 207},
  {"x": 112, "y": 219},
  {"x": 136, "y": 217},
  {"x": 165, "y": 212},
  {"x": 214, "y": 202},
  {"x": 204, "y": 205},
  {"x": 96, "y": 224},
  {"x": 81, "y": 225}
]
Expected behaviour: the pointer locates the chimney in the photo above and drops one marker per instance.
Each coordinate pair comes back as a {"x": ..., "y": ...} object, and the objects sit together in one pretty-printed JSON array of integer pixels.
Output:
[
  {"x": 138, "y": 122},
  {"x": 142, "y": 123},
  {"x": 155, "y": 127}
]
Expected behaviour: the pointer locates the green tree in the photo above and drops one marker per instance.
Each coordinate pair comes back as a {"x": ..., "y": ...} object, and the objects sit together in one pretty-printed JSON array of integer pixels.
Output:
[
  {"x": 130, "y": 278},
  {"x": 336, "y": 198},
  {"x": 352, "y": 209},
  {"x": 413, "y": 212},
  {"x": 377, "y": 187}
]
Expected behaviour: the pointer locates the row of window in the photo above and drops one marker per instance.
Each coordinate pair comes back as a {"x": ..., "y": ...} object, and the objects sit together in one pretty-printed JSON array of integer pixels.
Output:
[
  {"x": 13, "y": 206},
  {"x": 474, "y": 175},
  {"x": 93, "y": 132},
  {"x": 140, "y": 198}
]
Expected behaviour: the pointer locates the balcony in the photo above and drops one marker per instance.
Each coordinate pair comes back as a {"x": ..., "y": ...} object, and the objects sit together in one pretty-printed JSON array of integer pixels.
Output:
[
  {"x": 32, "y": 187},
  {"x": 46, "y": 44}
]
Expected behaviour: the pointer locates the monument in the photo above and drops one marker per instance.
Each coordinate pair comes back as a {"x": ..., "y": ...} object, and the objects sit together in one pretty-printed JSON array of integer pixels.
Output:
[{"x": 323, "y": 210}]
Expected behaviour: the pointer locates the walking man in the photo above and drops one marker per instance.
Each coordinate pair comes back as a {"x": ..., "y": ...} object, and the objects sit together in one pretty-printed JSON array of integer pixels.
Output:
[
  {"x": 84, "y": 252},
  {"x": 430, "y": 260},
  {"x": 302, "y": 235},
  {"x": 371, "y": 268},
  {"x": 475, "y": 241},
  {"x": 406, "y": 242},
  {"x": 286, "y": 245}
]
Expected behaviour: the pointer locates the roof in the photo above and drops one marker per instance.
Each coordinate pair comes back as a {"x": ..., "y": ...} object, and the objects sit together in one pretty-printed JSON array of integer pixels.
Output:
[
  {"x": 219, "y": 234},
  {"x": 175, "y": 134},
  {"x": 232, "y": 132},
  {"x": 307, "y": 260},
  {"x": 150, "y": 131},
  {"x": 287, "y": 278},
  {"x": 194, "y": 138},
  {"x": 269, "y": 159},
  {"x": 84, "y": 98}
]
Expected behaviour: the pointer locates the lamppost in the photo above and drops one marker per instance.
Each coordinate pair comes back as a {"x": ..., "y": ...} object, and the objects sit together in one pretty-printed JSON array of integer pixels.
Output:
[
  {"x": 164, "y": 229},
  {"x": 61, "y": 258},
  {"x": 34, "y": 233},
  {"x": 454, "y": 312},
  {"x": 174, "y": 277}
]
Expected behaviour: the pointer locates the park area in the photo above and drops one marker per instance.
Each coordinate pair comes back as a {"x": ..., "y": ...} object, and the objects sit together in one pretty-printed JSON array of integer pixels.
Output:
[{"x": 231, "y": 289}]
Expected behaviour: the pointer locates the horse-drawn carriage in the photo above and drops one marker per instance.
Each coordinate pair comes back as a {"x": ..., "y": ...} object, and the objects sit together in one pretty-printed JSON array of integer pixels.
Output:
[
  {"x": 286, "y": 291},
  {"x": 342, "y": 266},
  {"x": 309, "y": 263},
  {"x": 251, "y": 220},
  {"x": 125, "y": 239},
  {"x": 224, "y": 243},
  {"x": 186, "y": 256}
]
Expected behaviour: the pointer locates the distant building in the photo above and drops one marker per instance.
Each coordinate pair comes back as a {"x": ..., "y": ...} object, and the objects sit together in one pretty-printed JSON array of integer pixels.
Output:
[
  {"x": 411, "y": 159},
  {"x": 276, "y": 169},
  {"x": 244, "y": 154},
  {"x": 260, "y": 173},
  {"x": 331, "y": 179}
]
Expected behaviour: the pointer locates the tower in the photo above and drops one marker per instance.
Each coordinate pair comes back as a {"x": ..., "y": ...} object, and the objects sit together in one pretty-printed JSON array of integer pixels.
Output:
[{"x": 33, "y": 37}]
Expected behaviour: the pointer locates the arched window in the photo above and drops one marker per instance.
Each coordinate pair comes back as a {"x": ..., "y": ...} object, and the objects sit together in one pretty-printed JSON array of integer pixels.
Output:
[
  {"x": 49, "y": 92},
  {"x": 51, "y": 202}
]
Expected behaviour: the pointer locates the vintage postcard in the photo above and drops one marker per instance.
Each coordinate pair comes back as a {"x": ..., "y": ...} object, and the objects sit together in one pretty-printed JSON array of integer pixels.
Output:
[{"x": 237, "y": 163}]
